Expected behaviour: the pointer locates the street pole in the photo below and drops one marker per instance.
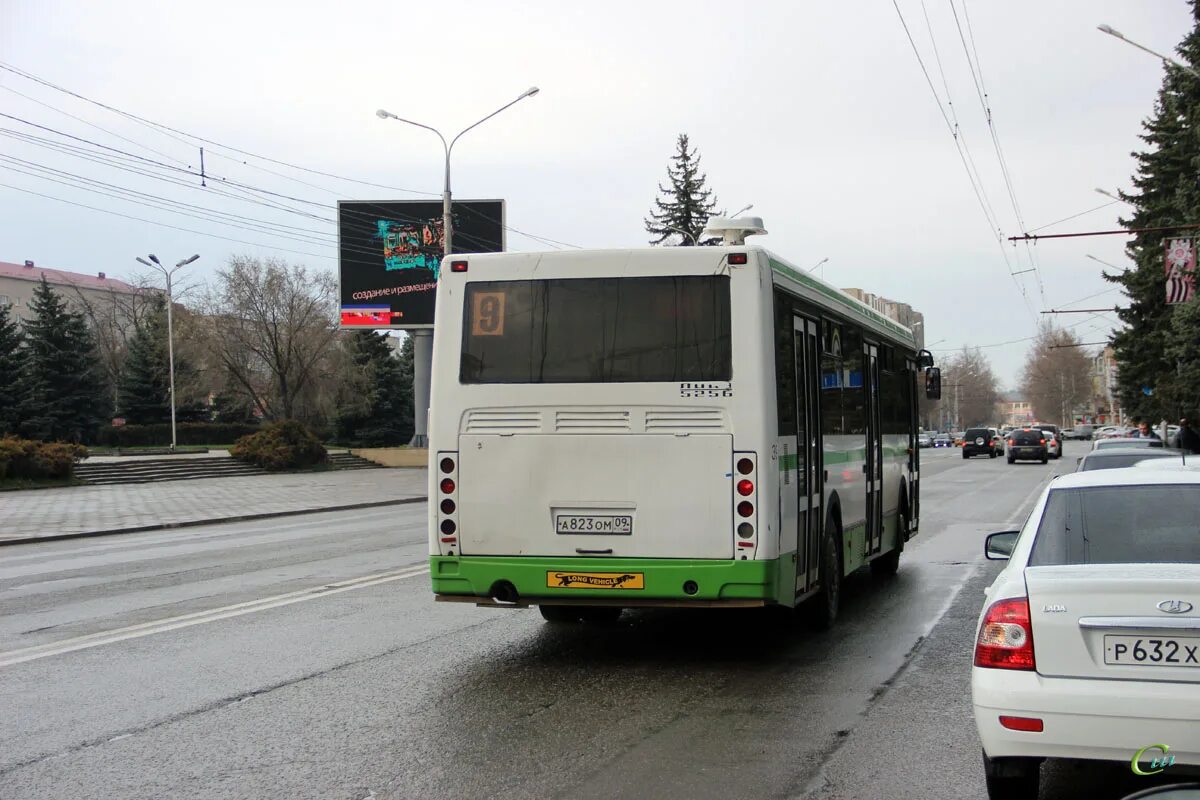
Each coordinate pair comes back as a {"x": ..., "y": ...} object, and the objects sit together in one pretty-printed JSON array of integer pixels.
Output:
[
  {"x": 169, "y": 274},
  {"x": 423, "y": 338}
]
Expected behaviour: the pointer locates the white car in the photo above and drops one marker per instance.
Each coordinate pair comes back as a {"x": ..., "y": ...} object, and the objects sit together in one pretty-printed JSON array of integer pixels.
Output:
[
  {"x": 1053, "y": 444},
  {"x": 1088, "y": 644}
]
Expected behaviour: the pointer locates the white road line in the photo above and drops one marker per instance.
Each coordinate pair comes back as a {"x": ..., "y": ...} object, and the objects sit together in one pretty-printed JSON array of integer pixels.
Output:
[{"x": 200, "y": 617}]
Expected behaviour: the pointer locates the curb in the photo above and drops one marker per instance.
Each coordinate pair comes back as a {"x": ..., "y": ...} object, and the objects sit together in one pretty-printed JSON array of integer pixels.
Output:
[{"x": 192, "y": 523}]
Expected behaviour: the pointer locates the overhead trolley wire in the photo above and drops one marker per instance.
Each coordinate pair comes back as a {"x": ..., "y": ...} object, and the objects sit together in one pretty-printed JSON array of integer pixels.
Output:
[{"x": 176, "y": 133}]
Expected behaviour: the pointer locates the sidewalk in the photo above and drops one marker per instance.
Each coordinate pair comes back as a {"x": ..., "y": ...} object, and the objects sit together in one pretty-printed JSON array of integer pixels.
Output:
[{"x": 86, "y": 510}]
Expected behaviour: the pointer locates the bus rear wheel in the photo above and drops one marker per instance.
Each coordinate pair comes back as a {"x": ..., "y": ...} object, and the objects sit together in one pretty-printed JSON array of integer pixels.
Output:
[
  {"x": 823, "y": 609},
  {"x": 560, "y": 614},
  {"x": 888, "y": 564},
  {"x": 600, "y": 614}
]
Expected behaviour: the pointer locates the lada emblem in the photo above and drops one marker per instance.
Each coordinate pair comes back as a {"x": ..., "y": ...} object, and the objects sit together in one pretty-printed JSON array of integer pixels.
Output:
[{"x": 1175, "y": 606}]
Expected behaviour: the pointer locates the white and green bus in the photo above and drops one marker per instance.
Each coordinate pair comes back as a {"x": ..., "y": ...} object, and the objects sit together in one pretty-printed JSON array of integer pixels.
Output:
[{"x": 676, "y": 426}]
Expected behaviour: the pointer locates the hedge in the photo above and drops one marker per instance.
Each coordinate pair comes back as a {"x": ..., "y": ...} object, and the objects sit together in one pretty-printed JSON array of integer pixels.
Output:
[
  {"x": 159, "y": 434},
  {"x": 31, "y": 460},
  {"x": 281, "y": 445}
]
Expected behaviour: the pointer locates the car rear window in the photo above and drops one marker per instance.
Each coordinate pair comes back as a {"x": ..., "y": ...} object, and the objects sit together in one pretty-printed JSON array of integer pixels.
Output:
[
  {"x": 1150, "y": 524},
  {"x": 1027, "y": 437},
  {"x": 975, "y": 433},
  {"x": 1112, "y": 460}
]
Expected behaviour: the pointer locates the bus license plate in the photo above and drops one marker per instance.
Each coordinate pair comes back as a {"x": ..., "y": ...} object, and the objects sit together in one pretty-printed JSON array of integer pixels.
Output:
[
  {"x": 612, "y": 524},
  {"x": 1153, "y": 651}
]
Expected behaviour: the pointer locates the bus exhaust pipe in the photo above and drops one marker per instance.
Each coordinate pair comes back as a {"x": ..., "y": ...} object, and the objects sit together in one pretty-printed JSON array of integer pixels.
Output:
[{"x": 504, "y": 592}]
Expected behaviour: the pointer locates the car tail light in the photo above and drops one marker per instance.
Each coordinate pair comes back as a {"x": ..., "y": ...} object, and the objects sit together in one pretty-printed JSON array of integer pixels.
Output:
[
  {"x": 446, "y": 522},
  {"x": 745, "y": 503},
  {"x": 1043, "y": 441},
  {"x": 1030, "y": 724},
  {"x": 458, "y": 266},
  {"x": 1005, "y": 638}
]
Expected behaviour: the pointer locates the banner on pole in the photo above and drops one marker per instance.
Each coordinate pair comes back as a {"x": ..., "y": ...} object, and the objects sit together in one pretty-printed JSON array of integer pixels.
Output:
[{"x": 1180, "y": 270}]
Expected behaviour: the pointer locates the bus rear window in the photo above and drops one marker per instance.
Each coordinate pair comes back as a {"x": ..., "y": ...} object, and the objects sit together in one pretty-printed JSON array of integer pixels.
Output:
[{"x": 597, "y": 330}]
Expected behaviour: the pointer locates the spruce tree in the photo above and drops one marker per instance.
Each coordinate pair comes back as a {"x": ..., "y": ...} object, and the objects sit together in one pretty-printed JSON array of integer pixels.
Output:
[
  {"x": 63, "y": 395},
  {"x": 1167, "y": 194},
  {"x": 11, "y": 356},
  {"x": 145, "y": 389},
  {"x": 384, "y": 416},
  {"x": 684, "y": 207}
]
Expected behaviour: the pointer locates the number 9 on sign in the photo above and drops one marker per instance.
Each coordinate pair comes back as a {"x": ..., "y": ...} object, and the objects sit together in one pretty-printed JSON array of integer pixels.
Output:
[{"x": 487, "y": 314}]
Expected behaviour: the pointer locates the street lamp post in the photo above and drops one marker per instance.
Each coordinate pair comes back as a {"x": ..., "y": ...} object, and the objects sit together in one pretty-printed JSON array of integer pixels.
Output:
[
  {"x": 169, "y": 273},
  {"x": 423, "y": 339},
  {"x": 1165, "y": 59},
  {"x": 746, "y": 207}
]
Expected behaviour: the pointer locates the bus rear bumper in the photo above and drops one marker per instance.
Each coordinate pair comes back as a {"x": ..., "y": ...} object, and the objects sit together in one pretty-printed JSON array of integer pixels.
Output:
[{"x": 484, "y": 580}]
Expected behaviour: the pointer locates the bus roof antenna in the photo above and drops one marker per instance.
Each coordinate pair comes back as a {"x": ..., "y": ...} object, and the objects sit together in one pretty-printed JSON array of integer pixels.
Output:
[{"x": 733, "y": 231}]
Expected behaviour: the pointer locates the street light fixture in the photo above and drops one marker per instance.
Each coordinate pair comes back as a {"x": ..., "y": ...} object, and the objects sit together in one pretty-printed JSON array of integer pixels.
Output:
[
  {"x": 1107, "y": 193},
  {"x": 423, "y": 339},
  {"x": 169, "y": 273},
  {"x": 1107, "y": 264},
  {"x": 740, "y": 210},
  {"x": 1165, "y": 59},
  {"x": 819, "y": 263}
]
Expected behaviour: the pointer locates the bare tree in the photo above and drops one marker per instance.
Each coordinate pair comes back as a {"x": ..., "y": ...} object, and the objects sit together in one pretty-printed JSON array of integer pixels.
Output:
[
  {"x": 271, "y": 331},
  {"x": 969, "y": 389},
  {"x": 1057, "y": 376},
  {"x": 114, "y": 316}
]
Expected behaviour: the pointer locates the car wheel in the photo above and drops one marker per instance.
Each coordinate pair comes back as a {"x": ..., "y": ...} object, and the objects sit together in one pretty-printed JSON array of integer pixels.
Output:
[
  {"x": 1045, "y": 459},
  {"x": 600, "y": 614},
  {"x": 823, "y": 610},
  {"x": 1012, "y": 778},
  {"x": 560, "y": 614},
  {"x": 992, "y": 454},
  {"x": 965, "y": 454},
  {"x": 1012, "y": 460}
]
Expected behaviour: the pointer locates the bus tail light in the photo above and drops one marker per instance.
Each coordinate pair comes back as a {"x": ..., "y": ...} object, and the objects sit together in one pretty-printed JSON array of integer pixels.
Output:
[
  {"x": 458, "y": 266},
  {"x": 745, "y": 504},
  {"x": 1005, "y": 638},
  {"x": 738, "y": 259},
  {"x": 445, "y": 524}
]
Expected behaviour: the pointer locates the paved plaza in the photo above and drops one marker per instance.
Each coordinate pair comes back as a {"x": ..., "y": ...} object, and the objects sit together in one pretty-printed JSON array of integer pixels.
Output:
[{"x": 38, "y": 513}]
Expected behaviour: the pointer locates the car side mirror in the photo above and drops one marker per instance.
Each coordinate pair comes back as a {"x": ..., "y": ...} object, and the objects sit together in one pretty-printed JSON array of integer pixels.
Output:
[
  {"x": 999, "y": 546},
  {"x": 933, "y": 383}
]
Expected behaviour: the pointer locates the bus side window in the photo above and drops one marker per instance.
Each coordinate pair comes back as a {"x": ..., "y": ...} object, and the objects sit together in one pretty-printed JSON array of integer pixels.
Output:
[
  {"x": 785, "y": 367},
  {"x": 854, "y": 408}
]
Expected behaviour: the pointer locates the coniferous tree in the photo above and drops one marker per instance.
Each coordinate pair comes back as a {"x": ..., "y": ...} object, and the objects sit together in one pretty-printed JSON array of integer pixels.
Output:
[
  {"x": 63, "y": 395},
  {"x": 383, "y": 415},
  {"x": 11, "y": 357},
  {"x": 145, "y": 389},
  {"x": 1155, "y": 335},
  {"x": 685, "y": 206}
]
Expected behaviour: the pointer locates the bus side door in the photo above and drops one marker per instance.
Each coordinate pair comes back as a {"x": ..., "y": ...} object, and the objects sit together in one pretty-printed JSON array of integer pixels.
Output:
[{"x": 809, "y": 483}]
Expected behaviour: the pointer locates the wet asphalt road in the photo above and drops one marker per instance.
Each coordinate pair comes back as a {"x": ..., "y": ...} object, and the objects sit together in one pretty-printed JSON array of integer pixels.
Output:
[{"x": 200, "y": 663}]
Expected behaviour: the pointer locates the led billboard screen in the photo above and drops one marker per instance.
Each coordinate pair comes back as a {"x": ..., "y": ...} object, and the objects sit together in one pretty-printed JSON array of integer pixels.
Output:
[{"x": 390, "y": 252}]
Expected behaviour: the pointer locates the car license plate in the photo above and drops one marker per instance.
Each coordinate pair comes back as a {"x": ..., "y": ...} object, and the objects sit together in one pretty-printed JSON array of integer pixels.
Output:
[
  {"x": 613, "y": 524},
  {"x": 1153, "y": 651}
]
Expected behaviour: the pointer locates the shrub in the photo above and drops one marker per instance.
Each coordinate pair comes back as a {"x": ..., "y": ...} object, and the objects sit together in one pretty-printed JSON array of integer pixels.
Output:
[
  {"x": 25, "y": 459},
  {"x": 159, "y": 434},
  {"x": 280, "y": 445}
]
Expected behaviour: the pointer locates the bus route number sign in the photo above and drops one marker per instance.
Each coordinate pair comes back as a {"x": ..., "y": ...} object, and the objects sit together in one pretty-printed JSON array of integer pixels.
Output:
[{"x": 487, "y": 314}]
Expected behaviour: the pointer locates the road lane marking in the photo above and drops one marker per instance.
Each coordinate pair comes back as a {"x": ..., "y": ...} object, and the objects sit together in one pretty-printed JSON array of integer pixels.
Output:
[{"x": 201, "y": 617}]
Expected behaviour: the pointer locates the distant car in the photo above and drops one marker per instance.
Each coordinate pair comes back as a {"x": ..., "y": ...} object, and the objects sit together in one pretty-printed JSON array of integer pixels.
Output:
[
  {"x": 1087, "y": 641},
  {"x": 1027, "y": 444},
  {"x": 958, "y": 438},
  {"x": 978, "y": 442},
  {"x": 1068, "y": 434},
  {"x": 1110, "y": 432},
  {"x": 943, "y": 440},
  {"x": 1118, "y": 457},
  {"x": 1053, "y": 443},
  {"x": 924, "y": 440},
  {"x": 997, "y": 441},
  {"x": 1102, "y": 444},
  {"x": 1084, "y": 432}
]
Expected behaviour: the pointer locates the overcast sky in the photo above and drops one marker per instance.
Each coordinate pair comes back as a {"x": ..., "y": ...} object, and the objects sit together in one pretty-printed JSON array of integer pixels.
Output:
[{"x": 817, "y": 113}]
